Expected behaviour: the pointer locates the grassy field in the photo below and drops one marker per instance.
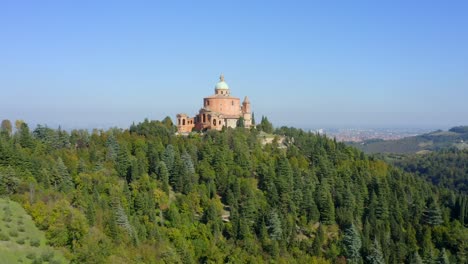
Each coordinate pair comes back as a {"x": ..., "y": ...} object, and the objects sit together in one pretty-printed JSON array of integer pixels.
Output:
[{"x": 20, "y": 240}]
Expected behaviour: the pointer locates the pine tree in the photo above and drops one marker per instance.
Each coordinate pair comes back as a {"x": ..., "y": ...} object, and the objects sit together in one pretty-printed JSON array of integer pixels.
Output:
[
  {"x": 325, "y": 203},
  {"x": 352, "y": 244},
  {"x": 276, "y": 232},
  {"x": 163, "y": 176},
  {"x": 432, "y": 214},
  {"x": 63, "y": 178},
  {"x": 443, "y": 258},
  {"x": 375, "y": 254},
  {"x": 415, "y": 258}
]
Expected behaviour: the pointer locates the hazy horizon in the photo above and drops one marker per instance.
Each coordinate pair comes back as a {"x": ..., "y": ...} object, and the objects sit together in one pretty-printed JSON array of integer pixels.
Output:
[{"x": 310, "y": 65}]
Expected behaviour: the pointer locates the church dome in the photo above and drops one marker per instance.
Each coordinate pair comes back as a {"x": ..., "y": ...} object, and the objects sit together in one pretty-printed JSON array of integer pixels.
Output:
[{"x": 221, "y": 85}]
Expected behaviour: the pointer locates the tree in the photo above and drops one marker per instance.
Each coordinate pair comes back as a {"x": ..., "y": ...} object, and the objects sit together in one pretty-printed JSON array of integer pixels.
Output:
[
  {"x": 65, "y": 180},
  {"x": 375, "y": 255},
  {"x": 163, "y": 176},
  {"x": 432, "y": 214},
  {"x": 443, "y": 258},
  {"x": 8, "y": 180},
  {"x": 265, "y": 125},
  {"x": 25, "y": 139},
  {"x": 276, "y": 232},
  {"x": 240, "y": 122},
  {"x": 352, "y": 244},
  {"x": 122, "y": 165},
  {"x": 6, "y": 127},
  {"x": 415, "y": 258},
  {"x": 325, "y": 203}
]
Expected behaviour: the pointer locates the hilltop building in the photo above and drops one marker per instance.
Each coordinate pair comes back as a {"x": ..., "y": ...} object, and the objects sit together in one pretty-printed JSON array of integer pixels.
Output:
[{"x": 218, "y": 111}]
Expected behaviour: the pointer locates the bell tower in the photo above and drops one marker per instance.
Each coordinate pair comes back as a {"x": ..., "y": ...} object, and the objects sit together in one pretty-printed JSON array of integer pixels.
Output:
[{"x": 246, "y": 112}]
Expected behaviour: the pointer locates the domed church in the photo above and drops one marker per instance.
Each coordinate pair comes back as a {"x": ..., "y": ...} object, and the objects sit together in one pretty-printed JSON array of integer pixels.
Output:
[{"x": 218, "y": 111}]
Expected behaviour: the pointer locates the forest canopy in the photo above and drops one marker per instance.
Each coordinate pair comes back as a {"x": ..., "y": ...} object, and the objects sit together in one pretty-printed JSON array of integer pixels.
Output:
[{"x": 146, "y": 195}]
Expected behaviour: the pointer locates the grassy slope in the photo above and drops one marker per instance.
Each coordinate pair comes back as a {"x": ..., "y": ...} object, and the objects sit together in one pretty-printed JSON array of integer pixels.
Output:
[{"x": 17, "y": 231}]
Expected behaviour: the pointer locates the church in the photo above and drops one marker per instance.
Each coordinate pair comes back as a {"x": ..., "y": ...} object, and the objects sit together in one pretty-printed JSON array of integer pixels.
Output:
[{"x": 219, "y": 110}]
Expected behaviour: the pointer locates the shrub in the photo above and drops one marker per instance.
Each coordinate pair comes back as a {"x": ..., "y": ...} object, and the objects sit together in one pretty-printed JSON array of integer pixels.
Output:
[
  {"x": 4, "y": 237},
  {"x": 21, "y": 229},
  {"x": 20, "y": 241},
  {"x": 13, "y": 233},
  {"x": 37, "y": 261},
  {"x": 20, "y": 222},
  {"x": 31, "y": 255},
  {"x": 47, "y": 255},
  {"x": 35, "y": 242}
]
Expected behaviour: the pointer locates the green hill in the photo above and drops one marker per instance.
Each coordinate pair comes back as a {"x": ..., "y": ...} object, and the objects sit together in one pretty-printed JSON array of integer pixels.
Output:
[
  {"x": 456, "y": 137},
  {"x": 146, "y": 195},
  {"x": 20, "y": 240}
]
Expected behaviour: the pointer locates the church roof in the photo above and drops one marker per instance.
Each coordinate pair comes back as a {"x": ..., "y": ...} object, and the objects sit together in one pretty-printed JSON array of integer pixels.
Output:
[{"x": 222, "y": 85}]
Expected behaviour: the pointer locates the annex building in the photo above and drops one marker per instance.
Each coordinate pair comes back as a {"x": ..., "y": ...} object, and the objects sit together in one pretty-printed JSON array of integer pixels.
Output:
[{"x": 219, "y": 110}]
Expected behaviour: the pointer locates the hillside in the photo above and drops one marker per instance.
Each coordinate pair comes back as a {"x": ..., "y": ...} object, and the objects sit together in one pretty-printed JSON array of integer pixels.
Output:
[
  {"x": 145, "y": 195},
  {"x": 20, "y": 240},
  {"x": 455, "y": 137},
  {"x": 446, "y": 168}
]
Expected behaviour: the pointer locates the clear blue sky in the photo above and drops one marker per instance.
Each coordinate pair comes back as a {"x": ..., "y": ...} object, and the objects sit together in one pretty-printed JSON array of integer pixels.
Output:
[{"x": 302, "y": 63}]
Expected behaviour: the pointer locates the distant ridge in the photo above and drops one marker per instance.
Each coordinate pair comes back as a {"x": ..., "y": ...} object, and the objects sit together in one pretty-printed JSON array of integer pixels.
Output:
[{"x": 456, "y": 137}]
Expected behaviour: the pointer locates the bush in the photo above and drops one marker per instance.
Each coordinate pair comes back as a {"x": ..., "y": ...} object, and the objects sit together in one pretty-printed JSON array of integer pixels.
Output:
[
  {"x": 37, "y": 261},
  {"x": 31, "y": 255},
  {"x": 35, "y": 242},
  {"x": 20, "y": 222},
  {"x": 20, "y": 241},
  {"x": 13, "y": 233},
  {"x": 47, "y": 255},
  {"x": 4, "y": 237},
  {"x": 21, "y": 229},
  {"x": 54, "y": 261}
]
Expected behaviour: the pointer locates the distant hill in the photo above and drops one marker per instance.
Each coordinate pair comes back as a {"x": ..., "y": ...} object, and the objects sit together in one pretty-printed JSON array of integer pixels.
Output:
[
  {"x": 454, "y": 137},
  {"x": 445, "y": 168}
]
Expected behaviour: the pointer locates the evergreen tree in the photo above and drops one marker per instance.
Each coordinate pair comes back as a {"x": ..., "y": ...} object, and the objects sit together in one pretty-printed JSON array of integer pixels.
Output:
[
  {"x": 325, "y": 203},
  {"x": 352, "y": 244},
  {"x": 375, "y": 253},
  {"x": 432, "y": 214},
  {"x": 443, "y": 258},
  {"x": 276, "y": 232},
  {"x": 163, "y": 176}
]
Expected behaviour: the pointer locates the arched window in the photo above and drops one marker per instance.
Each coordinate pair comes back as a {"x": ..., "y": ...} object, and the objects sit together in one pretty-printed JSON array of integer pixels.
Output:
[
  {"x": 204, "y": 118},
  {"x": 183, "y": 122},
  {"x": 214, "y": 122}
]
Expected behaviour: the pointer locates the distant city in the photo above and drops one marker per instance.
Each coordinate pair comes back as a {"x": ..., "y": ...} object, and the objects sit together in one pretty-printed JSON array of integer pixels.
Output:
[{"x": 362, "y": 134}]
